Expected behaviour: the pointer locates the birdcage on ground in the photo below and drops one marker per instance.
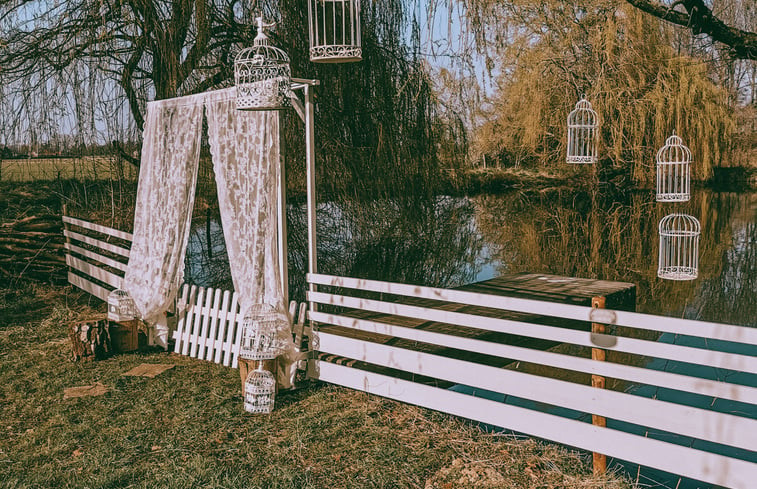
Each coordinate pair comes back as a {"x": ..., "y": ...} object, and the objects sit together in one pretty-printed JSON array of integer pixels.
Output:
[{"x": 259, "y": 391}]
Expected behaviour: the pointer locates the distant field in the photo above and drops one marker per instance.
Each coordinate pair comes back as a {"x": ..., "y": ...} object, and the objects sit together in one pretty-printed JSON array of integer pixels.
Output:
[{"x": 89, "y": 168}]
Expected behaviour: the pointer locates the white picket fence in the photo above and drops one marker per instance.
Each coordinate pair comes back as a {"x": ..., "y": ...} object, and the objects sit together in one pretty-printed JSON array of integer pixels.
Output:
[
  {"x": 338, "y": 351},
  {"x": 210, "y": 321}
]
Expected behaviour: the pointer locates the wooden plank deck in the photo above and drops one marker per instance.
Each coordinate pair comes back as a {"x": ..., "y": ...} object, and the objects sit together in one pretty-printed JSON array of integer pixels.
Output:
[{"x": 568, "y": 290}]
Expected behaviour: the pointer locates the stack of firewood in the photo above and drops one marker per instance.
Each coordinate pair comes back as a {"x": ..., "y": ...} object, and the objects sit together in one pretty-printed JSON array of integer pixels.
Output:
[{"x": 32, "y": 247}]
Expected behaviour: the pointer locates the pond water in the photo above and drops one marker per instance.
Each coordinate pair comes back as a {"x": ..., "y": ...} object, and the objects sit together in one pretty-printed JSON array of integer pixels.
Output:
[{"x": 452, "y": 241}]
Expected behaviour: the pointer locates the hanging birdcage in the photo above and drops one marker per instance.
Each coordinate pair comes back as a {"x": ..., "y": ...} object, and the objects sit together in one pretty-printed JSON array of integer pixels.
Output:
[
  {"x": 262, "y": 75},
  {"x": 264, "y": 333},
  {"x": 582, "y": 133},
  {"x": 673, "y": 171},
  {"x": 121, "y": 306},
  {"x": 679, "y": 247},
  {"x": 259, "y": 391},
  {"x": 334, "y": 31}
]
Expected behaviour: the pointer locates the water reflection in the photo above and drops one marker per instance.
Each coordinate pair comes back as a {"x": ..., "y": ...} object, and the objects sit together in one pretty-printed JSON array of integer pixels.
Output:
[{"x": 448, "y": 241}]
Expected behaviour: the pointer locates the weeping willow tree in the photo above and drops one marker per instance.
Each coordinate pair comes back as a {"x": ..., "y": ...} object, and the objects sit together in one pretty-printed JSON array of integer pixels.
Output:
[
  {"x": 624, "y": 63},
  {"x": 376, "y": 120}
]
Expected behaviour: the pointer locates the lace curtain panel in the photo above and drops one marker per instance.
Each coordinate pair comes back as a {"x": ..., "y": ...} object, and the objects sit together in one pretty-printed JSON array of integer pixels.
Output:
[
  {"x": 245, "y": 150},
  {"x": 165, "y": 198}
]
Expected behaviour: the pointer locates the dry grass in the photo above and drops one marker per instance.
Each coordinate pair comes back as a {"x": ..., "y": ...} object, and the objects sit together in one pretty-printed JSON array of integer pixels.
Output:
[
  {"x": 84, "y": 168},
  {"x": 186, "y": 428}
]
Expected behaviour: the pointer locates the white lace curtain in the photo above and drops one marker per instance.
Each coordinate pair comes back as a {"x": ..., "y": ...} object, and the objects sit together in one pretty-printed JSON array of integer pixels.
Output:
[
  {"x": 165, "y": 197},
  {"x": 245, "y": 151}
]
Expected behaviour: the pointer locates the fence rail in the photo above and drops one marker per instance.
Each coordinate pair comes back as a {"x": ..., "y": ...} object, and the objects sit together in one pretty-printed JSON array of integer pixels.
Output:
[
  {"x": 88, "y": 245},
  {"x": 356, "y": 330}
]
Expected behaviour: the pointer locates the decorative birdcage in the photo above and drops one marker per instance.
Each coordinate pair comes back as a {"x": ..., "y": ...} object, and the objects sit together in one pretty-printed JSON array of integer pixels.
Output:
[
  {"x": 673, "y": 171},
  {"x": 334, "y": 31},
  {"x": 679, "y": 247},
  {"x": 259, "y": 391},
  {"x": 262, "y": 75},
  {"x": 121, "y": 306},
  {"x": 583, "y": 125},
  {"x": 264, "y": 333}
]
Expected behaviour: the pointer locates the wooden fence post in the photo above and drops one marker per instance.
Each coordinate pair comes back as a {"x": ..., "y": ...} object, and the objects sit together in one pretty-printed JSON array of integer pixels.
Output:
[{"x": 600, "y": 460}]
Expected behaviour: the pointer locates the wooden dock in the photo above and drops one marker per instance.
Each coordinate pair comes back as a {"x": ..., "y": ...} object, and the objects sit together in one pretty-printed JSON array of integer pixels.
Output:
[{"x": 553, "y": 288}]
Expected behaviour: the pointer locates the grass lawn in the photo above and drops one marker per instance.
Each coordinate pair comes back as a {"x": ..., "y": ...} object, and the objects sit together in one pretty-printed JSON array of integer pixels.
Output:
[
  {"x": 84, "y": 168},
  {"x": 186, "y": 427}
]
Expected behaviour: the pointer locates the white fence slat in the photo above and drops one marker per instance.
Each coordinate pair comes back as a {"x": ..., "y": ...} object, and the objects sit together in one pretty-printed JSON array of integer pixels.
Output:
[
  {"x": 96, "y": 256},
  {"x": 725, "y": 332},
  {"x": 197, "y": 324},
  {"x": 182, "y": 308},
  {"x": 94, "y": 271},
  {"x": 233, "y": 335},
  {"x": 89, "y": 287},
  {"x": 194, "y": 296},
  {"x": 98, "y": 228},
  {"x": 210, "y": 339},
  {"x": 96, "y": 242},
  {"x": 292, "y": 310},
  {"x": 203, "y": 332},
  {"x": 223, "y": 327},
  {"x": 707, "y": 425},
  {"x": 716, "y": 389},
  {"x": 689, "y": 462},
  {"x": 699, "y": 356}
]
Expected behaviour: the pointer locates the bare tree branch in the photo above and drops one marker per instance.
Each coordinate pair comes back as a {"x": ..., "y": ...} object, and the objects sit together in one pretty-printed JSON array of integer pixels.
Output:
[{"x": 698, "y": 17}]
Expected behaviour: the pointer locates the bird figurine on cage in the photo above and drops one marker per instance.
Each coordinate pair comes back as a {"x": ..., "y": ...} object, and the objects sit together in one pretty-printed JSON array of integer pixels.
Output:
[{"x": 262, "y": 75}]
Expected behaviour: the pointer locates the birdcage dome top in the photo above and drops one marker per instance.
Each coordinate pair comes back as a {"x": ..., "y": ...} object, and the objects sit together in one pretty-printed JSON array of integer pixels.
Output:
[
  {"x": 583, "y": 114},
  {"x": 674, "y": 151},
  {"x": 262, "y": 55},
  {"x": 680, "y": 225},
  {"x": 118, "y": 293}
]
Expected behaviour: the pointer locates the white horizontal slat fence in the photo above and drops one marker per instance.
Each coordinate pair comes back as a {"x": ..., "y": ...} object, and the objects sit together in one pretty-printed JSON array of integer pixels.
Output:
[
  {"x": 88, "y": 245},
  {"x": 341, "y": 330}
]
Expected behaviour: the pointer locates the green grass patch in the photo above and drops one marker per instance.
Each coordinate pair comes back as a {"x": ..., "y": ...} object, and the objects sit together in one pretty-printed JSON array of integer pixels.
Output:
[{"x": 187, "y": 428}]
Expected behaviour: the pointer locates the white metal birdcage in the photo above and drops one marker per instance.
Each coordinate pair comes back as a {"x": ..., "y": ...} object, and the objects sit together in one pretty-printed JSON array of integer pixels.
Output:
[
  {"x": 679, "y": 247},
  {"x": 262, "y": 75},
  {"x": 673, "y": 171},
  {"x": 334, "y": 31},
  {"x": 583, "y": 125},
  {"x": 121, "y": 306},
  {"x": 264, "y": 333},
  {"x": 259, "y": 391}
]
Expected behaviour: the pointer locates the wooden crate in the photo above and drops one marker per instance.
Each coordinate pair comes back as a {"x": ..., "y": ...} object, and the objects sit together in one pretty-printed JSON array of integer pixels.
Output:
[{"x": 126, "y": 336}]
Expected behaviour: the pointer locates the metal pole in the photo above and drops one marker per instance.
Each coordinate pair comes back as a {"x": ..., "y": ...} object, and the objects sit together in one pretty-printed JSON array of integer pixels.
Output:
[
  {"x": 311, "y": 204},
  {"x": 281, "y": 203}
]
